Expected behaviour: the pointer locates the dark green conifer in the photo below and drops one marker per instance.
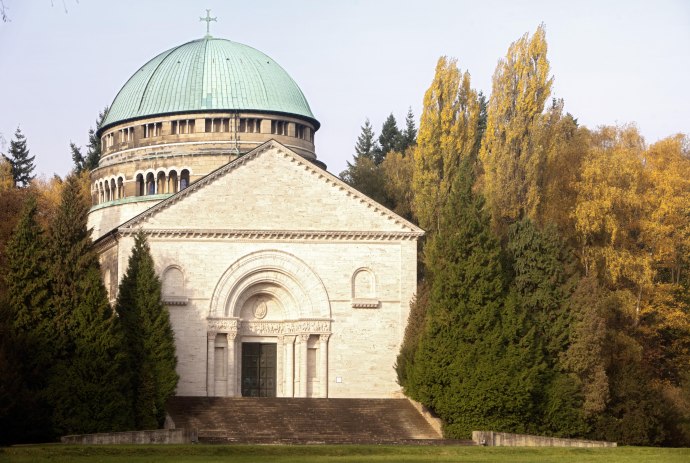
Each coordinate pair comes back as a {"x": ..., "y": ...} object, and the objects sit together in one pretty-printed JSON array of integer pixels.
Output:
[
  {"x": 22, "y": 164},
  {"x": 150, "y": 341},
  {"x": 389, "y": 140},
  {"x": 93, "y": 149},
  {"x": 544, "y": 276},
  {"x": 408, "y": 136},
  {"x": 26, "y": 278},
  {"x": 89, "y": 381},
  {"x": 476, "y": 365}
]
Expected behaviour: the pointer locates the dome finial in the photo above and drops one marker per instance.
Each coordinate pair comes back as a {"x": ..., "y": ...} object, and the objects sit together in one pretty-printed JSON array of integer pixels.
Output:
[{"x": 208, "y": 20}]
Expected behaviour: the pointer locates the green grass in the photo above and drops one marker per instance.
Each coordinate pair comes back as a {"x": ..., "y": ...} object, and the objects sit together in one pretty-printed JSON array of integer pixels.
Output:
[{"x": 335, "y": 453}]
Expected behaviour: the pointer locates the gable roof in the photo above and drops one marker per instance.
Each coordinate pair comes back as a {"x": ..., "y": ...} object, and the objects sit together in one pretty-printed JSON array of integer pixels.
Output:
[{"x": 396, "y": 224}]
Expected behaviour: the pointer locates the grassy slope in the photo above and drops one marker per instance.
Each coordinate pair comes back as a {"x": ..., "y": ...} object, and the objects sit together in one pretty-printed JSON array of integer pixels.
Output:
[{"x": 247, "y": 453}]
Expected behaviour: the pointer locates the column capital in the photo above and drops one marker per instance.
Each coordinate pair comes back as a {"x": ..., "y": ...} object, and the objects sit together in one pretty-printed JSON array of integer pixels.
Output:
[
  {"x": 211, "y": 335},
  {"x": 231, "y": 335},
  {"x": 304, "y": 337},
  {"x": 324, "y": 337}
]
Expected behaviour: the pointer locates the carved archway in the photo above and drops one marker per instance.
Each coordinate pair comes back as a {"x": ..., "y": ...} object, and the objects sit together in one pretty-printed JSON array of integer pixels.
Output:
[{"x": 270, "y": 297}]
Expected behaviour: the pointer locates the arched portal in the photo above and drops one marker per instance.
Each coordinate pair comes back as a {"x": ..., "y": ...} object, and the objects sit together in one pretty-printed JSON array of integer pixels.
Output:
[{"x": 268, "y": 328}]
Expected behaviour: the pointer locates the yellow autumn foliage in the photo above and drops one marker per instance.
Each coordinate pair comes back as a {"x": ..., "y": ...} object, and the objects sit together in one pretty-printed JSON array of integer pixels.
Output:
[
  {"x": 447, "y": 134},
  {"x": 511, "y": 157},
  {"x": 611, "y": 208}
]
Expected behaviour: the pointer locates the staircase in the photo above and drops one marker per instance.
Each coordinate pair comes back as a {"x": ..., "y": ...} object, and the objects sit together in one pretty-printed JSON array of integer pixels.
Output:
[{"x": 290, "y": 420}]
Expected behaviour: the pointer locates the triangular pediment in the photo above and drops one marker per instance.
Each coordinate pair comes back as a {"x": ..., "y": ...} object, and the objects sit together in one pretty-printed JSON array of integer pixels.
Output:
[{"x": 271, "y": 189}]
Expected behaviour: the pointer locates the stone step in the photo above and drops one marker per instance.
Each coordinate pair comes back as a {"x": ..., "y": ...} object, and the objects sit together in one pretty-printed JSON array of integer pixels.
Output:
[{"x": 259, "y": 420}]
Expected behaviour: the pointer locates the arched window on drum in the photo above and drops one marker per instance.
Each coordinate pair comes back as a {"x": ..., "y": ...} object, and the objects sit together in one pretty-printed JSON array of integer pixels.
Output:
[{"x": 173, "y": 287}]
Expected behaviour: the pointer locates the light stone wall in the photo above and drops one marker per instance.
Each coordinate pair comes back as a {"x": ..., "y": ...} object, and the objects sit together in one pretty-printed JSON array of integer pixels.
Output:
[
  {"x": 302, "y": 212},
  {"x": 364, "y": 342},
  {"x": 105, "y": 219}
]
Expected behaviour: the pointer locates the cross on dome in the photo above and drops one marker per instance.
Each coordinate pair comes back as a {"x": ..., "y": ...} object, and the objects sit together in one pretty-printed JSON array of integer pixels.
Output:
[{"x": 208, "y": 20}]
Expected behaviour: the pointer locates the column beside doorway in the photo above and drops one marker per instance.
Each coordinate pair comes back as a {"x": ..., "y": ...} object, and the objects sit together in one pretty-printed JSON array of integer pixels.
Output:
[
  {"x": 303, "y": 341},
  {"x": 232, "y": 364},
  {"x": 323, "y": 365},
  {"x": 289, "y": 342},
  {"x": 210, "y": 364}
]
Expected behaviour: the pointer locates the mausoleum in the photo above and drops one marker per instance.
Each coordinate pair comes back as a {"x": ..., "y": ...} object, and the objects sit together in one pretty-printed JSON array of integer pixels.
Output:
[{"x": 280, "y": 279}]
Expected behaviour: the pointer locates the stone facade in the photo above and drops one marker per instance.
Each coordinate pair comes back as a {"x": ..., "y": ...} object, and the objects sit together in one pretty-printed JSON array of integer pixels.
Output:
[{"x": 273, "y": 250}]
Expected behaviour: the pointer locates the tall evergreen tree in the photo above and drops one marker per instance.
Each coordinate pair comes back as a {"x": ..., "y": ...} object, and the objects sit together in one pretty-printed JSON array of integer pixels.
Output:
[
  {"x": 476, "y": 364},
  {"x": 22, "y": 164},
  {"x": 89, "y": 381},
  {"x": 93, "y": 148},
  {"x": 363, "y": 173},
  {"x": 149, "y": 335},
  {"x": 26, "y": 341},
  {"x": 544, "y": 276},
  {"x": 408, "y": 136},
  {"x": 389, "y": 139},
  {"x": 366, "y": 144}
]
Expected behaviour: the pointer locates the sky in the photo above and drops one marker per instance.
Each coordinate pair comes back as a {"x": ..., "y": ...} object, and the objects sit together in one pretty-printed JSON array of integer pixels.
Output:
[{"x": 613, "y": 62}]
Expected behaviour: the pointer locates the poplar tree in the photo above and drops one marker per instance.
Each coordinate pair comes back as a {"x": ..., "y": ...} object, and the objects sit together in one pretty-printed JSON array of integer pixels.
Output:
[
  {"x": 149, "y": 335},
  {"x": 447, "y": 135},
  {"x": 88, "y": 385},
  {"x": 22, "y": 164},
  {"x": 511, "y": 156}
]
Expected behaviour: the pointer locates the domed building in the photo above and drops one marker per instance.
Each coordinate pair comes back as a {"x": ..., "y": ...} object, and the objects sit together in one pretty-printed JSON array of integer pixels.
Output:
[{"x": 280, "y": 279}]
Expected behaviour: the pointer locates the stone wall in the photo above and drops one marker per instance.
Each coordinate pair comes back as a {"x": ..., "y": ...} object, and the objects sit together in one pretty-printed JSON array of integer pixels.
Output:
[
  {"x": 158, "y": 436},
  {"x": 504, "y": 439}
]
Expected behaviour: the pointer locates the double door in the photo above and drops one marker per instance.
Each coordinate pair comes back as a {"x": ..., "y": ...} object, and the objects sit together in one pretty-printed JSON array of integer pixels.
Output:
[{"x": 258, "y": 369}]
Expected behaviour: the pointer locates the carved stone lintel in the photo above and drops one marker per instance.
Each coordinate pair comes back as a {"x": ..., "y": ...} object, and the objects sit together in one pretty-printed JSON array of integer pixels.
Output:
[{"x": 222, "y": 324}]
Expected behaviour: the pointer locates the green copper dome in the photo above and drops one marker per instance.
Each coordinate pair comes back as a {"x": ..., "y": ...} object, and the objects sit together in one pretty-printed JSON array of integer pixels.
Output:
[{"x": 208, "y": 74}]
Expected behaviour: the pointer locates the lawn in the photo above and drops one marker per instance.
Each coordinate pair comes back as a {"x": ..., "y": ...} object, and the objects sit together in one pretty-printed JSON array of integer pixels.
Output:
[{"x": 335, "y": 453}]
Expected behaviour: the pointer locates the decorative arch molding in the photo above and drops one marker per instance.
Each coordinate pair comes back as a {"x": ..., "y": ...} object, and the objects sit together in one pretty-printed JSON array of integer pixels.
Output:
[{"x": 292, "y": 277}]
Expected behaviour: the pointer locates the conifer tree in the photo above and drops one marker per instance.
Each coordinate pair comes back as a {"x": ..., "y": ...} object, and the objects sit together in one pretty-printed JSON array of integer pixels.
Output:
[
  {"x": 25, "y": 347},
  {"x": 26, "y": 278},
  {"x": 93, "y": 149},
  {"x": 151, "y": 346},
  {"x": 389, "y": 139},
  {"x": 511, "y": 156},
  {"x": 366, "y": 145},
  {"x": 477, "y": 364},
  {"x": 408, "y": 136},
  {"x": 544, "y": 276},
  {"x": 363, "y": 173},
  {"x": 22, "y": 164},
  {"x": 89, "y": 382},
  {"x": 447, "y": 134}
]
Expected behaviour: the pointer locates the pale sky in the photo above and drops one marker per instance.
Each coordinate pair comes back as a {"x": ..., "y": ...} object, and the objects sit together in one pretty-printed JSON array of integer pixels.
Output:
[{"x": 614, "y": 62}]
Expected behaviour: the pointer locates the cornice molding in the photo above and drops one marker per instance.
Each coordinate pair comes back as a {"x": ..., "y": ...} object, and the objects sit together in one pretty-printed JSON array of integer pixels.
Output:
[{"x": 229, "y": 234}]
